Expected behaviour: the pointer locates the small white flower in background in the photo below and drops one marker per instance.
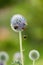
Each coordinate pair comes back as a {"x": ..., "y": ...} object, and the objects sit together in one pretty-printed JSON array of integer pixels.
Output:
[
  {"x": 34, "y": 55},
  {"x": 18, "y": 23},
  {"x": 3, "y": 57},
  {"x": 17, "y": 57}
]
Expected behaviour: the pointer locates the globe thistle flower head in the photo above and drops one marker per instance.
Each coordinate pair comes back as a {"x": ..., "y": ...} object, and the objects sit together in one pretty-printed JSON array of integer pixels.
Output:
[
  {"x": 17, "y": 57},
  {"x": 3, "y": 57},
  {"x": 18, "y": 23},
  {"x": 34, "y": 55}
]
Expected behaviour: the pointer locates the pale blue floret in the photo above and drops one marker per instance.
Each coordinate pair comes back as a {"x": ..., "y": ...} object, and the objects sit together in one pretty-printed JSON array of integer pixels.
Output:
[
  {"x": 17, "y": 58},
  {"x": 18, "y": 20}
]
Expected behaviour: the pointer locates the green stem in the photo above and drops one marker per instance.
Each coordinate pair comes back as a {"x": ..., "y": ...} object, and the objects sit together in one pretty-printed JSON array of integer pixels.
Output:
[
  {"x": 20, "y": 38},
  {"x": 33, "y": 62}
]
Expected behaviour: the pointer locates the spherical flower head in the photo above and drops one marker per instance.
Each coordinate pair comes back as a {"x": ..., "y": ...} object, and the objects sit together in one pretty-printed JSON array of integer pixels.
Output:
[
  {"x": 17, "y": 57},
  {"x": 34, "y": 55},
  {"x": 18, "y": 23},
  {"x": 3, "y": 57}
]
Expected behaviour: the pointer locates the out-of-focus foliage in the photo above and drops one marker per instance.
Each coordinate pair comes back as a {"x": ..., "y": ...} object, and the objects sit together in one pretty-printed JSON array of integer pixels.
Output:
[
  {"x": 32, "y": 10},
  {"x": 9, "y": 2}
]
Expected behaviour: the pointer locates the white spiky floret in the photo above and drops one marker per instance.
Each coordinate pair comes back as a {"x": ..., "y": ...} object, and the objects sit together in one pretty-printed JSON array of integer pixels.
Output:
[
  {"x": 4, "y": 56},
  {"x": 17, "y": 57},
  {"x": 18, "y": 20},
  {"x": 34, "y": 55}
]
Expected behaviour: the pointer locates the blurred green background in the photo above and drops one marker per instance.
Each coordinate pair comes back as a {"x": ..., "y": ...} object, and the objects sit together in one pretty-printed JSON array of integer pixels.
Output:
[{"x": 32, "y": 10}]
